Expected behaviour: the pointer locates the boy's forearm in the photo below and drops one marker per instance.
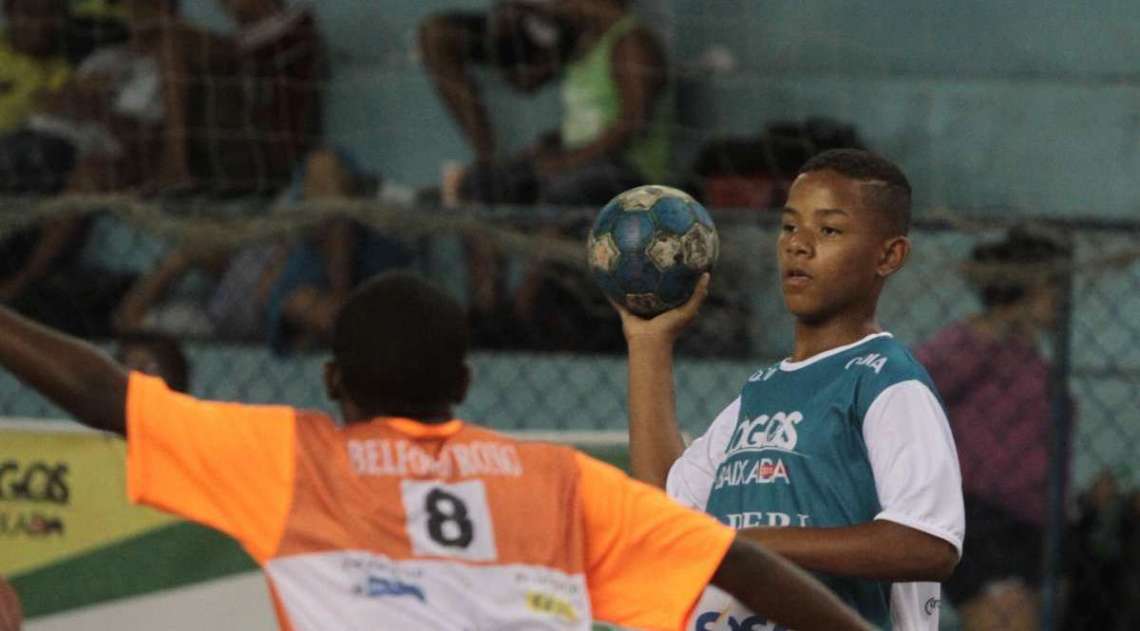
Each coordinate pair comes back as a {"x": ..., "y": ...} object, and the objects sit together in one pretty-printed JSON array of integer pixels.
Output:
[
  {"x": 654, "y": 437},
  {"x": 878, "y": 550},
  {"x": 70, "y": 372},
  {"x": 781, "y": 592}
]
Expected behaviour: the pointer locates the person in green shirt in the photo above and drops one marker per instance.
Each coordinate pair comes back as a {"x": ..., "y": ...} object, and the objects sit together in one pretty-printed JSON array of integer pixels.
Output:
[{"x": 616, "y": 108}]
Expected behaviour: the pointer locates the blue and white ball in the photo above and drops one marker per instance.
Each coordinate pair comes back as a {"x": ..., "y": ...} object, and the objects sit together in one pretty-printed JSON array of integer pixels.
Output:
[{"x": 649, "y": 247}]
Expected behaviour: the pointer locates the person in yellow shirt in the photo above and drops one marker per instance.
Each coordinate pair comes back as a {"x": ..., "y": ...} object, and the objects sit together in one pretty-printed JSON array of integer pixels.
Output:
[
  {"x": 30, "y": 60},
  {"x": 31, "y": 68}
]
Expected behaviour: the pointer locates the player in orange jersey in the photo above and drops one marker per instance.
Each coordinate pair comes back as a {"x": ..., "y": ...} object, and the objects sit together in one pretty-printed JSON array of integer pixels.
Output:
[{"x": 405, "y": 517}]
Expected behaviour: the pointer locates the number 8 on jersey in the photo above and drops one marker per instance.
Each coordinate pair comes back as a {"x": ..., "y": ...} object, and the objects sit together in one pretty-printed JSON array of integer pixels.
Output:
[{"x": 449, "y": 520}]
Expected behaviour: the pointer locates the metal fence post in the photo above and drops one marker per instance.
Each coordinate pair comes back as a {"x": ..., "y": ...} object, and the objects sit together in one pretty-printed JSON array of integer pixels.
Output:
[{"x": 1060, "y": 437}]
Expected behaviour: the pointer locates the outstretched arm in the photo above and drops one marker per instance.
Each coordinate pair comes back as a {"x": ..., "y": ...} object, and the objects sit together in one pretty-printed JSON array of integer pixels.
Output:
[
  {"x": 880, "y": 550},
  {"x": 764, "y": 582},
  {"x": 71, "y": 373},
  {"x": 654, "y": 434}
]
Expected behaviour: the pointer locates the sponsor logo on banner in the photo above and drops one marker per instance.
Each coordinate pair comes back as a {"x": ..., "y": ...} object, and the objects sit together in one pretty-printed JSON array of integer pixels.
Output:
[
  {"x": 63, "y": 494},
  {"x": 33, "y": 524},
  {"x": 35, "y": 482}
]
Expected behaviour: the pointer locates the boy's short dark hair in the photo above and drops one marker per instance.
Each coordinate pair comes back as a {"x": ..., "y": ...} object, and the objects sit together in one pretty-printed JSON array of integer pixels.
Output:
[
  {"x": 401, "y": 341},
  {"x": 173, "y": 367},
  {"x": 887, "y": 190},
  {"x": 1024, "y": 253}
]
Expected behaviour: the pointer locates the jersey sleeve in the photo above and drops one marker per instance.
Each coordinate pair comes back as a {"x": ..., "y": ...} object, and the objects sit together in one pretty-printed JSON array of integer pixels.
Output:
[
  {"x": 225, "y": 465},
  {"x": 648, "y": 557},
  {"x": 914, "y": 461},
  {"x": 691, "y": 478}
]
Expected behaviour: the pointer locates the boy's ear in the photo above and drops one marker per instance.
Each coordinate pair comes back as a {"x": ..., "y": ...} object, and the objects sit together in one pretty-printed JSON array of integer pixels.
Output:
[
  {"x": 334, "y": 388},
  {"x": 895, "y": 252}
]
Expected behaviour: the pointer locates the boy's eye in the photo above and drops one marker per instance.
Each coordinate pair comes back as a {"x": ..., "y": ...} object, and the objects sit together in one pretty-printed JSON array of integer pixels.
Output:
[
  {"x": 787, "y": 227},
  {"x": 828, "y": 230}
]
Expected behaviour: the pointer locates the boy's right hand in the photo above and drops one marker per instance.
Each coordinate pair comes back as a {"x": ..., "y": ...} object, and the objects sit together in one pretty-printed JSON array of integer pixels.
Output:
[{"x": 665, "y": 327}]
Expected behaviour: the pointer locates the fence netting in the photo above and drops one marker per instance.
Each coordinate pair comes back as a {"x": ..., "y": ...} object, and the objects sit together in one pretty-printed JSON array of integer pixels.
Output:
[{"x": 1027, "y": 327}]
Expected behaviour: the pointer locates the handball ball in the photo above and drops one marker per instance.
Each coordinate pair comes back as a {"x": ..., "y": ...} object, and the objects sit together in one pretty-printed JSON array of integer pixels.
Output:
[{"x": 649, "y": 247}]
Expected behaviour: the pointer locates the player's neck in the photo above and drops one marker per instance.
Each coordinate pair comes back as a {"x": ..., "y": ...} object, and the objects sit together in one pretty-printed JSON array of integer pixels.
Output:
[
  {"x": 813, "y": 338},
  {"x": 422, "y": 414}
]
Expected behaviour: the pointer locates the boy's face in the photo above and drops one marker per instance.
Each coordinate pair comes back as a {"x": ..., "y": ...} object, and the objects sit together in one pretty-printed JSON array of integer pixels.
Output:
[{"x": 832, "y": 250}]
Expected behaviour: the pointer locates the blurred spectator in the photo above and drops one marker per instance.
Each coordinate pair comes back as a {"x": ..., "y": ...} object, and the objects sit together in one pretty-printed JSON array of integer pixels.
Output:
[
  {"x": 157, "y": 355},
  {"x": 31, "y": 68},
  {"x": 617, "y": 110},
  {"x": 1098, "y": 569},
  {"x": 93, "y": 24},
  {"x": 112, "y": 110},
  {"x": 617, "y": 103},
  {"x": 520, "y": 38},
  {"x": 287, "y": 293},
  {"x": 995, "y": 384},
  {"x": 11, "y": 614},
  {"x": 320, "y": 271},
  {"x": 108, "y": 114},
  {"x": 248, "y": 125}
]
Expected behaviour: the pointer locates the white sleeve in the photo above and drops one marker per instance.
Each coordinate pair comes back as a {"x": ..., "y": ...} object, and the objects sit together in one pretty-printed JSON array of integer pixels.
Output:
[
  {"x": 915, "y": 462},
  {"x": 691, "y": 478}
]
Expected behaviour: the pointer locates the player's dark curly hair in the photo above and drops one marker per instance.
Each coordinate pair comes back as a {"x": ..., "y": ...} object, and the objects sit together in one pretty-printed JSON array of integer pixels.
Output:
[
  {"x": 401, "y": 343},
  {"x": 887, "y": 190},
  {"x": 1028, "y": 255}
]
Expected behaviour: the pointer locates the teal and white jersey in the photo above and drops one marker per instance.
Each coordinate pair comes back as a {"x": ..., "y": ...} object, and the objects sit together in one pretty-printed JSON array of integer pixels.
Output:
[{"x": 849, "y": 436}]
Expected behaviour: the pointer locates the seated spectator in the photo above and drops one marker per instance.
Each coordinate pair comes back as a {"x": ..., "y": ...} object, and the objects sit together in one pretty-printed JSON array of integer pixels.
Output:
[
  {"x": 108, "y": 114},
  {"x": 995, "y": 383},
  {"x": 157, "y": 355},
  {"x": 112, "y": 110},
  {"x": 248, "y": 125},
  {"x": 31, "y": 69},
  {"x": 617, "y": 106},
  {"x": 286, "y": 293}
]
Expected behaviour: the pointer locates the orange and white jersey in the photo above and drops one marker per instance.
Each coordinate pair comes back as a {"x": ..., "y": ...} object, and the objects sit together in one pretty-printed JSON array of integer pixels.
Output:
[{"x": 394, "y": 524}]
